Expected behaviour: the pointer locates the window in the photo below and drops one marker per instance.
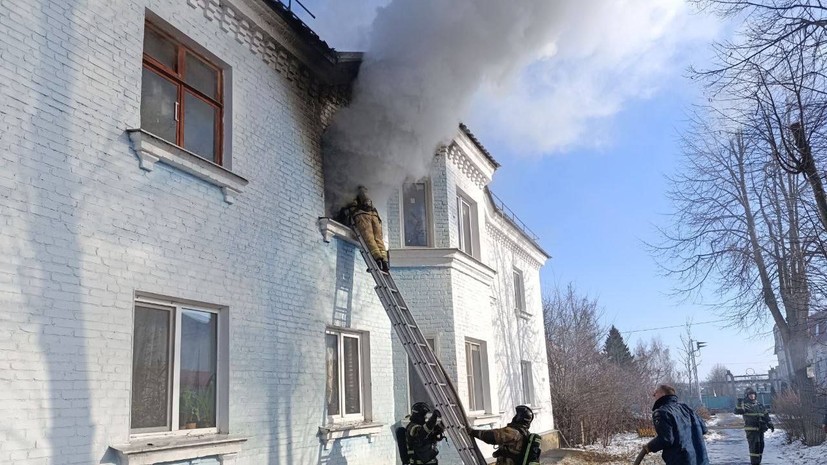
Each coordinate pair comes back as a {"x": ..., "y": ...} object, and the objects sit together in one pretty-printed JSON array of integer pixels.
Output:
[
  {"x": 181, "y": 96},
  {"x": 528, "y": 382},
  {"x": 475, "y": 361},
  {"x": 519, "y": 291},
  {"x": 344, "y": 392},
  {"x": 416, "y": 213},
  {"x": 176, "y": 377},
  {"x": 417, "y": 391},
  {"x": 466, "y": 213}
]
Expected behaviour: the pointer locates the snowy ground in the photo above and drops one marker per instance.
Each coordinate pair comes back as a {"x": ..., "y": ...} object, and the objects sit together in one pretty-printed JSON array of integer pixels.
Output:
[{"x": 726, "y": 443}]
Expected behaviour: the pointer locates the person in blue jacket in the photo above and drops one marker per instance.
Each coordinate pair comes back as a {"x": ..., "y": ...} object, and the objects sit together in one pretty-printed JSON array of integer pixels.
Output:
[{"x": 680, "y": 431}]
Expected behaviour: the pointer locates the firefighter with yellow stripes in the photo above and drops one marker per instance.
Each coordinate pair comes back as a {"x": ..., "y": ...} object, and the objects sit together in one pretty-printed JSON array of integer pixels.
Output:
[
  {"x": 756, "y": 422},
  {"x": 362, "y": 215}
]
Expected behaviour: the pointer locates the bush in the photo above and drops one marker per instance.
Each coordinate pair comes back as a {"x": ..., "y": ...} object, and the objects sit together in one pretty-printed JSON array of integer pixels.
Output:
[
  {"x": 798, "y": 420},
  {"x": 703, "y": 412}
]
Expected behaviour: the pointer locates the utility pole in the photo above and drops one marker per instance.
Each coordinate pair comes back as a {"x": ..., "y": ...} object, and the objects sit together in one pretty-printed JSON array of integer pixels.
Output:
[{"x": 696, "y": 348}]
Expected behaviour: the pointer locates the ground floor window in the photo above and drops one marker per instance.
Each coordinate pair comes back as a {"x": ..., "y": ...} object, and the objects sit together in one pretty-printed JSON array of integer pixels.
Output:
[
  {"x": 476, "y": 366},
  {"x": 176, "y": 376},
  {"x": 528, "y": 382}
]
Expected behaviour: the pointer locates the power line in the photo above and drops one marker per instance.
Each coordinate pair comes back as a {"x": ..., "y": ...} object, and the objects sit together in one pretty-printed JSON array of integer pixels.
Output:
[{"x": 675, "y": 326}]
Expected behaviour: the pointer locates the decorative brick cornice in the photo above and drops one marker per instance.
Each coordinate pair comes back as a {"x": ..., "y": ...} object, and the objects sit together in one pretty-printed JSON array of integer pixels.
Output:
[
  {"x": 500, "y": 237},
  {"x": 278, "y": 57},
  {"x": 466, "y": 166}
]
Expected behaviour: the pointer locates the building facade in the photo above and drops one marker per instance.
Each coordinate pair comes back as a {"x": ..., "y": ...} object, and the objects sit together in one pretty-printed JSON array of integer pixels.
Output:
[{"x": 171, "y": 294}]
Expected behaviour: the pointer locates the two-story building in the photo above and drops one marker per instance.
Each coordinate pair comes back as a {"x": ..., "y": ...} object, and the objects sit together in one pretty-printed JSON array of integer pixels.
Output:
[{"x": 170, "y": 292}]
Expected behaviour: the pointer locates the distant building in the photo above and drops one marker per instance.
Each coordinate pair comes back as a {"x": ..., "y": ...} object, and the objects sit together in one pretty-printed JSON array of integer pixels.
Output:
[{"x": 816, "y": 352}]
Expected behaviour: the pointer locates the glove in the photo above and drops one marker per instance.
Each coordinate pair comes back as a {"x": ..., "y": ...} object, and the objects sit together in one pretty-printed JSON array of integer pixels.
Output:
[
  {"x": 437, "y": 413},
  {"x": 471, "y": 432},
  {"x": 772, "y": 428},
  {"x": 645, "y": 448}
]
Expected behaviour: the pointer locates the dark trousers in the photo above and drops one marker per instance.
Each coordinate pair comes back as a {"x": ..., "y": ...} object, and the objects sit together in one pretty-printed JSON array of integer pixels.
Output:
[{"x": 755, "y": 439}]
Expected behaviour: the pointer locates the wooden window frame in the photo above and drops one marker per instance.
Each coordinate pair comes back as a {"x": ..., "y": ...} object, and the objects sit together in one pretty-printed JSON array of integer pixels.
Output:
[{"x": 177, "y": 78}]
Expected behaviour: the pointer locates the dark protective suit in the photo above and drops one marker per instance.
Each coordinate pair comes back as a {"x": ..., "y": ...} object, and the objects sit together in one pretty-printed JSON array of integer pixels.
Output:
[
  {"x": 756, "y": 423},
  {"x": 421, "y": 438},
  {"x": 511, "y": 439},
  {"x": 680, "y": 433}
]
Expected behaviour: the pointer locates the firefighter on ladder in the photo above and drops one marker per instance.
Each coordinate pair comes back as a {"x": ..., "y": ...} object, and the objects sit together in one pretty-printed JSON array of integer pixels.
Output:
[{"x": 361, "y": 214}]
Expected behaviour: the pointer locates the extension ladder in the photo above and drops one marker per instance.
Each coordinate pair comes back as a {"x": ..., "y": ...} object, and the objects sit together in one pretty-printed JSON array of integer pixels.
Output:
[{"x": 437, "y": 384}]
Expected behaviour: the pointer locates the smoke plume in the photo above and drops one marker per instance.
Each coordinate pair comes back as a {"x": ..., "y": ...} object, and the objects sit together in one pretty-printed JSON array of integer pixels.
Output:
[{"x": 424, "y": 62}]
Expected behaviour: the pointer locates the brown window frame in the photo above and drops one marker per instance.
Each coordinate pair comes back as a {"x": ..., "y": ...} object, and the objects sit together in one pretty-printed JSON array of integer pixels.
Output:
[{"x": 177, "y": 78}]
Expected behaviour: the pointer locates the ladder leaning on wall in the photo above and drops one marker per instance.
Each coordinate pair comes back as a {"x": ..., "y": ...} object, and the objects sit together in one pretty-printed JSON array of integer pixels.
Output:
[{"x": 437, "y": 384}]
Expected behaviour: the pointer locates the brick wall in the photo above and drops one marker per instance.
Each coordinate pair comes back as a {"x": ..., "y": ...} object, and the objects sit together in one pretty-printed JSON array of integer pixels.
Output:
[{"x": 83, "y": 229}]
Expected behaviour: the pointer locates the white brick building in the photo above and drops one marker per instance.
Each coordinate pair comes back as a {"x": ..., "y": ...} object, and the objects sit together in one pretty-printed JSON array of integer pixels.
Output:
[{"x": 159, "y": 307}]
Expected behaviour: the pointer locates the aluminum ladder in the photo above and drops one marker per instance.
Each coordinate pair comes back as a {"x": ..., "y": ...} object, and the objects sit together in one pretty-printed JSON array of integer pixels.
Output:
[{"x": 437, "y": 384}]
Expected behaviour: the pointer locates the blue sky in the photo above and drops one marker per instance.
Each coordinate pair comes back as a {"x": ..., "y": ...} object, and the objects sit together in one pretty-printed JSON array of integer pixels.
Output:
[{"x": 586, "y": 134}]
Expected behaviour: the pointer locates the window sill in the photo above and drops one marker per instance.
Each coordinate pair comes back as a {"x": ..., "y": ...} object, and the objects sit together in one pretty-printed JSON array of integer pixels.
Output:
[
  {"x": 331, "y": 228},
  {"x": 149, "y": 451},
  {"x": 484, "y": 419},
  {"x": 334, "y": 431},
  {"x": 151, "y": 149}
]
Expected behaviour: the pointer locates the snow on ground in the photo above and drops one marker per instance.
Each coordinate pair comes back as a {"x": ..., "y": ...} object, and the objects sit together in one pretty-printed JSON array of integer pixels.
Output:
[{"x": 796, "y": 453}]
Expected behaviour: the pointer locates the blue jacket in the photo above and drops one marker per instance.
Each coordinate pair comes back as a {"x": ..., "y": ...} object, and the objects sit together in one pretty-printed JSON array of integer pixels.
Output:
[{"x": 680, "y": 433}]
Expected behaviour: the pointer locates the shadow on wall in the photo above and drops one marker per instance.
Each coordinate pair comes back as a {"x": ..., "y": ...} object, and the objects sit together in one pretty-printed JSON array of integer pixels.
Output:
[
  {"x": 50, "y": 270},
  {"x": 343, "y": 297},
  {"x": 334, "y": 455}
]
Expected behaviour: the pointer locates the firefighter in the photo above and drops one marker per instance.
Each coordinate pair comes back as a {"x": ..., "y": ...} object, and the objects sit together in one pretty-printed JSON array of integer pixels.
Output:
[
  {"x": 422, "y": 435},
  {"x": 515, "y": 442},
  {"x": 362, "y": 215},
  {"x": 756, "y": 423}
]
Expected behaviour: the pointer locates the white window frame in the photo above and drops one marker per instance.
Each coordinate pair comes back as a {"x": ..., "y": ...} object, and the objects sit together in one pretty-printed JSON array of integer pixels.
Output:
[
  {"x": 362, "y": 358},
  {"x": 463, "y": 199},
  {"x": 527, "y": 381},
  {"x": 176, "y": 307},
  {"x": 429, "y": 212},
  {"x": 483, "y": 378}
]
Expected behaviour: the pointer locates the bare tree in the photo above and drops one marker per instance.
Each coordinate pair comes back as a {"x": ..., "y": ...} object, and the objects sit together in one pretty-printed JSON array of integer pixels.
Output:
[
  {"x": 738, "y": 228},
  {"x": 717, "y": 380}
]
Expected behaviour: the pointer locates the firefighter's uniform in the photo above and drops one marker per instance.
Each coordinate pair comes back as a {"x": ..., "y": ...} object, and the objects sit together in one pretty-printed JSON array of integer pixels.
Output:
[{"x": 756, "y": 422}]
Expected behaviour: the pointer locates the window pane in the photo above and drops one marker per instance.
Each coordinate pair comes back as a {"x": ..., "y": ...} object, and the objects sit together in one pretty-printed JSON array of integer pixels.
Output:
[
  {"x": 477, "y": 363},
  {"x": 518, "y": 291},
  {"x": 469, "y": 368},
  {"x": 332, "y": 359},
  {"x": 159, "y": 48},
  {"x": 200, "y": 76},
  {"x": 150, "y": 368},
  {"x": 528, "y": 385},
  {"x": 199, "y": 350},
  {"x": 416, "y": 215},
  {"x": 158, "y": 97},
  {"x": 465, "y": 227},
  {"x": 351, "y": 367},
  {"x": 199, "y": 126}
]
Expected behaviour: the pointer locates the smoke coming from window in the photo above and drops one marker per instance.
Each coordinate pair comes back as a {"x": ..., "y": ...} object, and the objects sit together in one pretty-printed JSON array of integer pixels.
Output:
[{"x": 425, "y": 61}]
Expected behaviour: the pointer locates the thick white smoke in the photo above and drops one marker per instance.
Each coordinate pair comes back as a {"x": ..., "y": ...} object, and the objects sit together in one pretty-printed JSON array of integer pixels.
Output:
[{"x": 425, "y": 61}]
